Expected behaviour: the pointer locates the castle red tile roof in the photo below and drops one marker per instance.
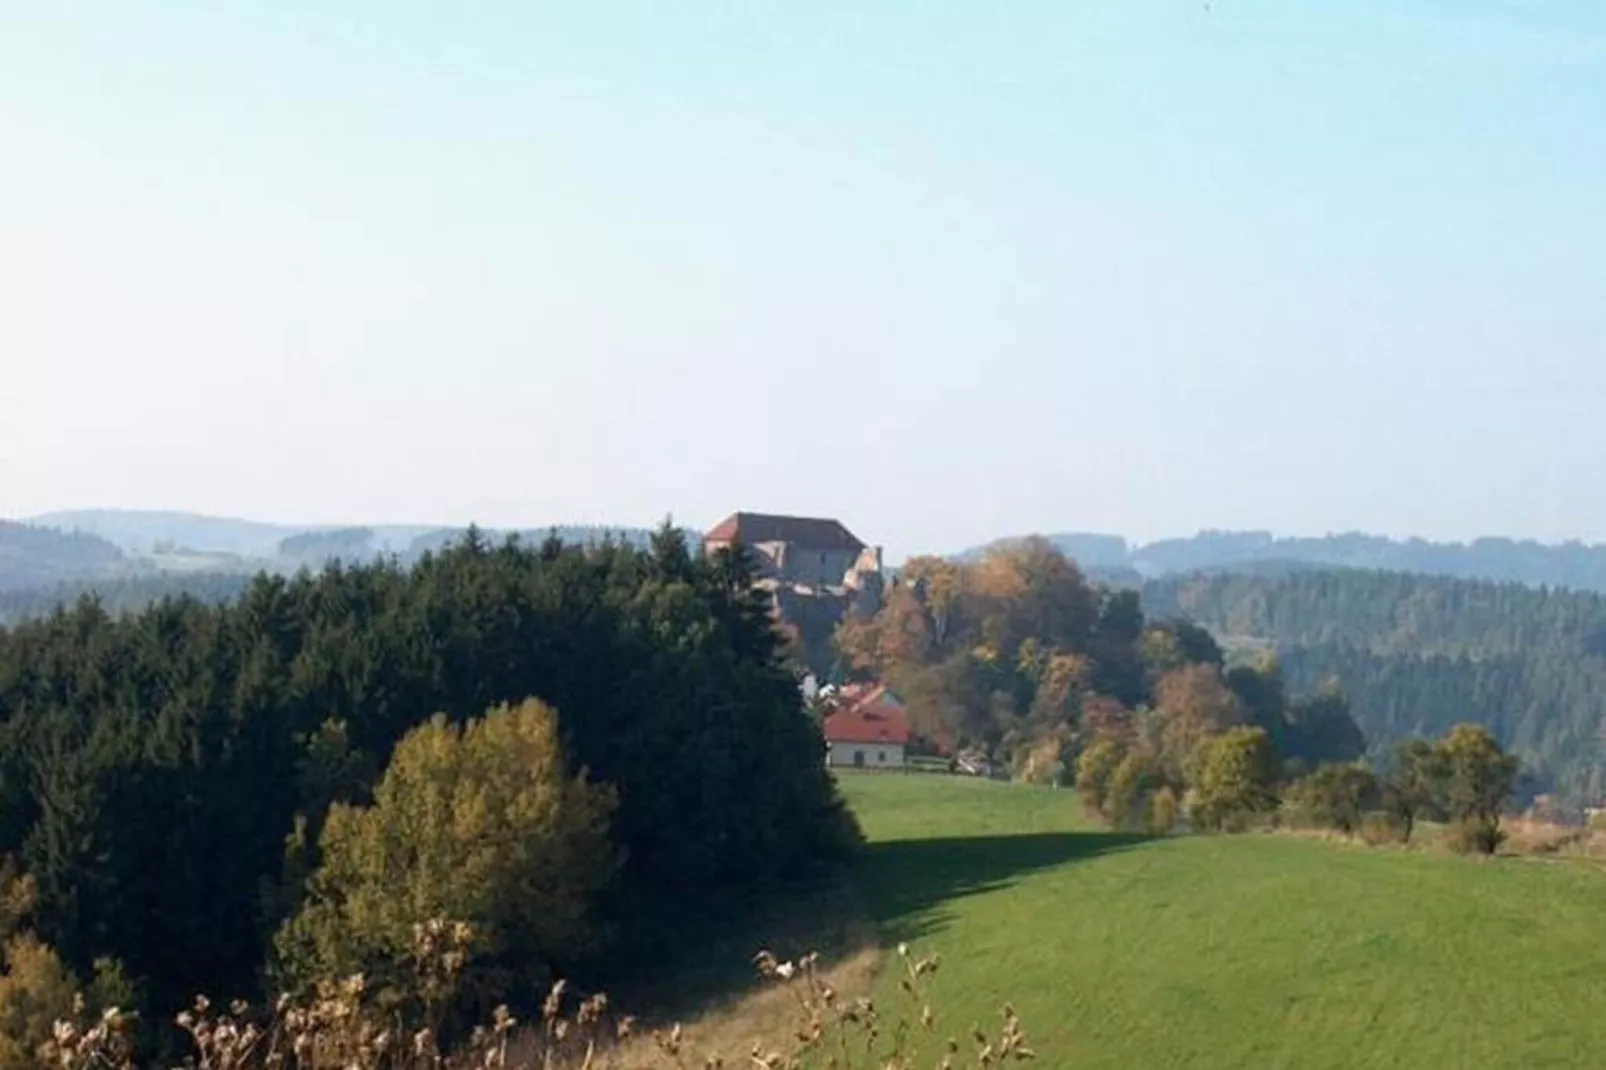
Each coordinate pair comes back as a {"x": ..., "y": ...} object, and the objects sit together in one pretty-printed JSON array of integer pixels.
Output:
[{"x": 810, "y": 533}]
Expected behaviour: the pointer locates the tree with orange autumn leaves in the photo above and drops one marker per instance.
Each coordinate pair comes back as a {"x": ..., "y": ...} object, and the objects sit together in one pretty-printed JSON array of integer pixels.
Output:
[{"x": 1019, "y": 654}]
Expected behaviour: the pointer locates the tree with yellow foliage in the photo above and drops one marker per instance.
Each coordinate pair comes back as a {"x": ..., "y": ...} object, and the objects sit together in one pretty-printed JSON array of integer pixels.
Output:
[{"x": 481, "y": 824}]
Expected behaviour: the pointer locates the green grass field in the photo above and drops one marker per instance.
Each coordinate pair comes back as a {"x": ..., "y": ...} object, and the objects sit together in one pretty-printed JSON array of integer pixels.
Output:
[{"x": 1257, "y": 951}]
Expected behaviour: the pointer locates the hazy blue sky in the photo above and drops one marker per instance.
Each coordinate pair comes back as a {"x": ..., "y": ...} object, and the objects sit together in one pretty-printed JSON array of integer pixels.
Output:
[{"x": 947, "y": 270}]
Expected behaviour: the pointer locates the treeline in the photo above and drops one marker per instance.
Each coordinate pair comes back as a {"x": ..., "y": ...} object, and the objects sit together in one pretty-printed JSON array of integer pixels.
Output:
[
  {"x": 1230, "y": 780},
  {"x": 573, "y": 534},
  {"x": 1419, "y": 654},
  {"x": 1389, "y": 612},
  {"x": 1549, "y": 708},
  {"x": 1017, "y": 654},
  {"x": 358, "y": 545},
  {"x": 192, "y": 792}
]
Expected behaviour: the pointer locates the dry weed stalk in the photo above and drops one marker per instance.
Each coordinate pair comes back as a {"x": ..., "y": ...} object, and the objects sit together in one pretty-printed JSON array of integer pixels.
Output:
[
  {"x": 103, "y": 1044},
  {"x": 337, "y": 1028},
  {"x": 858, "y": 1035}
]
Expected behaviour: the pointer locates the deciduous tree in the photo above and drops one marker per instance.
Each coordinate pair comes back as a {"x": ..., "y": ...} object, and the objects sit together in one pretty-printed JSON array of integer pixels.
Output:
[
  {"x": 1234, "y": 779},
  {"x": 1337, "y": 796},
  {"x": 1478, "y": 779},
  {"x": 480, "y": 824}
]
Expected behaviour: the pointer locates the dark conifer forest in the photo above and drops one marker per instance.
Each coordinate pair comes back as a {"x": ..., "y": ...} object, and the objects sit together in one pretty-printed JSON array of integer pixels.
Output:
[{"x": 163, "y": 773}]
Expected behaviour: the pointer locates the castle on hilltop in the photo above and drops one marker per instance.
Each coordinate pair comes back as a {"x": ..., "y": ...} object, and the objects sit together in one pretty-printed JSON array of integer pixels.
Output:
[{"x": 816, "y": 571}]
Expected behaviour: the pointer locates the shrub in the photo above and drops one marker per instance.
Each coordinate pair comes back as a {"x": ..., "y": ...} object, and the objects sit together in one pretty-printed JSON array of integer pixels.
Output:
[
  {"x": 36, "y": 992},
  {"x": 1163, "y": 811},
  {"x": 1093, "y": 771},
  {"x": 1335, "y": 797},
  {"x": 479, "y": 823},
  {"x": 1414, "y": 786},
  {"x": 1380, "y": 828},
  {"x": 1131, "y": 790},
  {"x": 1233, "y": 779},
  {"x": 1042, "y": 762},
  {"x": 1475, "y": 835}
]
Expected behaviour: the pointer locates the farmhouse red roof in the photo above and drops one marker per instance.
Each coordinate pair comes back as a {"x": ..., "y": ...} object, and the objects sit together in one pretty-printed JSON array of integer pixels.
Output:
[
  {"x": 813, "y": 533},
  {"x": 867, "y": 723}
]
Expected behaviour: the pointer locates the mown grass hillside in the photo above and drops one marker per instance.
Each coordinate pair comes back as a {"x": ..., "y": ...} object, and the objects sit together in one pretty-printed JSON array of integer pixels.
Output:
[{"x": 1234, "y": 951}]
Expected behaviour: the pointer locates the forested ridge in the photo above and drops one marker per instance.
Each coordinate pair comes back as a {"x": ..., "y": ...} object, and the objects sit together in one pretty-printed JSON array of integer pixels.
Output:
[
  {"x": 164, "y": 775},
  {"x": 1389, "y": 612},
  {"x": 121, "y": 595},
  {"x": 1416, "y": 654},
  {"x": 1568, "y": 564},
  {"x": 35, "y": 556}
]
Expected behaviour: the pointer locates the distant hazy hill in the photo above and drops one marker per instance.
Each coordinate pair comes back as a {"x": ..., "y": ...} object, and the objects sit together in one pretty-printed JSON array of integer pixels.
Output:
[
  {"x": 31, "y": 556},
  {"x": 148, "y": 532},
  {"x": 1571, "y": 564},
  {"x": 159, "y": 533},
  {"x": 129, "y": 559}
]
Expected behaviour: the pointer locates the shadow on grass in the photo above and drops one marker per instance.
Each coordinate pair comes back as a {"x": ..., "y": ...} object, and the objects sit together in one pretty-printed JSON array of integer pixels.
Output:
[
  {"x": 709, "y": 958},
  {"x": 895, "y": 892},
  {"x": 905, "y": 882}
]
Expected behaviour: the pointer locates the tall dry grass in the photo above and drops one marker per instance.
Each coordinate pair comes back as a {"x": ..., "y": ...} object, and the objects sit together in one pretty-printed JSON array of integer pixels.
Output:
[
  {"x": 1536, "y": 837},
  {"x": 807, "y": 1014}
]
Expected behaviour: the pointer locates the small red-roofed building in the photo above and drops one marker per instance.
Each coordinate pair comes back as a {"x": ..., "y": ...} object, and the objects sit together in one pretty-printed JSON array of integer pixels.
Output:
[{"x": 868, "y": 730}]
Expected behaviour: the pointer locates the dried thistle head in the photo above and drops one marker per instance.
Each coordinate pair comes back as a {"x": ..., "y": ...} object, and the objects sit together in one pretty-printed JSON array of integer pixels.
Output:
[
  {"x": 669, "y": 1043},
  {"x": 592, "y": 1009},
  {"x": 553, "y": 1004}
]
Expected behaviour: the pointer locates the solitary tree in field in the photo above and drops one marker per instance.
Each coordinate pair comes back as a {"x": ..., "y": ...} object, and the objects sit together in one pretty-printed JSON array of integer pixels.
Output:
[
  {"x": 1414, "y": 787},
  {"x": 1478, "y": 780}
]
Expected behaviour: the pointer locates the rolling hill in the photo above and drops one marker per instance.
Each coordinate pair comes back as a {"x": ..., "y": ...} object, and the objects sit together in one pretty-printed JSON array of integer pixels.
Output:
[
  {"x": 32, "y": 556},
  {"x": 1227, "y": 951},
  {"x": 146, "y": 532}
]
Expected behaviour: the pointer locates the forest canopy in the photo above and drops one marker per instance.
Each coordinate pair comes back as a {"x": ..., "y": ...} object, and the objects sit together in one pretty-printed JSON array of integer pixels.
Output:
[
  {"x": 166, "y": 776},
  {"x": 1018, "y": 654}
]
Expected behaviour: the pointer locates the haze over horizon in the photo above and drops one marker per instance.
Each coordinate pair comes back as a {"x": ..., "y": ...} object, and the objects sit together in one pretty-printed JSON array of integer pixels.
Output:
[{"x": 1142, "y": 268}]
